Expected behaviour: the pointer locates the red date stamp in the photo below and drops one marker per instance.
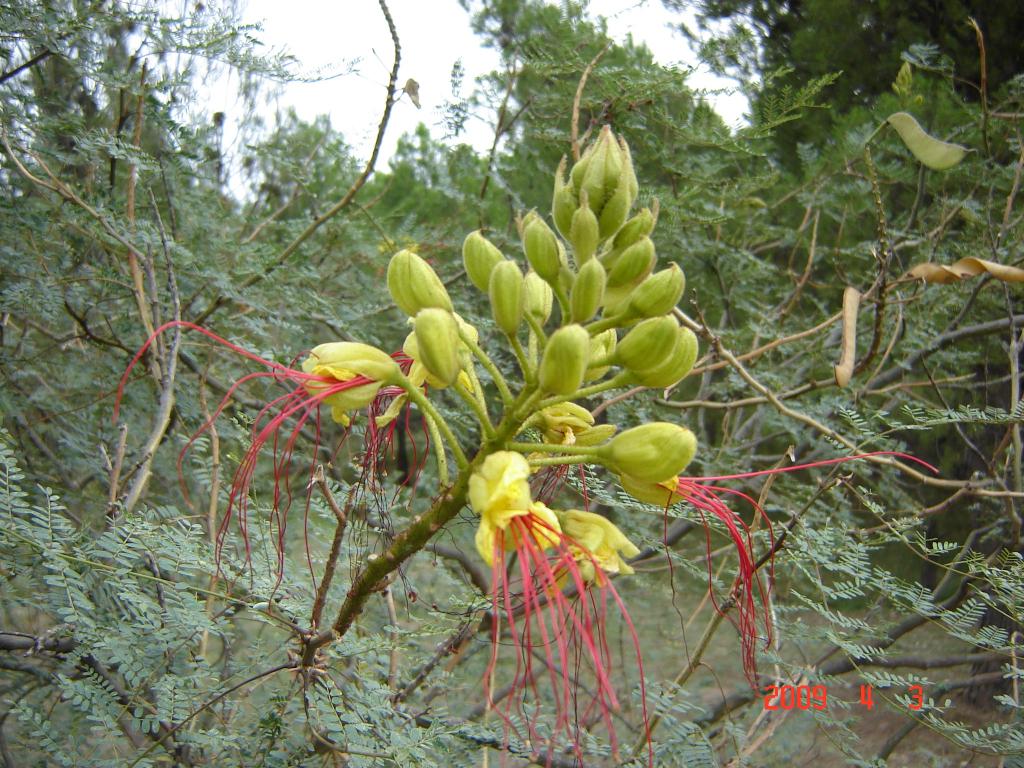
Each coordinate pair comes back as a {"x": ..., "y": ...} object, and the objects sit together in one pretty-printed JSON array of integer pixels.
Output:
[{"x": 787, "y": 697}]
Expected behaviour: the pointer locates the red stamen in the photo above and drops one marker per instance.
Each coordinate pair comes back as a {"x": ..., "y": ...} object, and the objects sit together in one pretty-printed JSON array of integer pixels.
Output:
[
  {"x": 704, "y": 498},
  {"x": 569, "y": 628}
]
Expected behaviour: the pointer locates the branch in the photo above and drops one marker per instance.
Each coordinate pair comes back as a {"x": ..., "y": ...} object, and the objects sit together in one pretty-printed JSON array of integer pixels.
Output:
[
  {"x": 941, "y": 341},
  {"x": 574, "y": 129},
  {"x": 334, "y": 210},
  {"x": 42, "y": 55}
]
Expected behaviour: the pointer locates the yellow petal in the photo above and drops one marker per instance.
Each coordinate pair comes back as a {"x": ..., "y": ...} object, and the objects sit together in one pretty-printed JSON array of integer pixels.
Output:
[{"x": 500, "y": 489}]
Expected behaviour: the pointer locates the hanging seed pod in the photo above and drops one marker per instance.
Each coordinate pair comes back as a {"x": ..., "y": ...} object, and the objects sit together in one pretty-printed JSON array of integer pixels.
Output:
[
  {"x": 936, "y": 154},
  {"x": 414, "y": 285},
  {"x": 565, "y": 360},
  {"x": 480, "y": 256},
  {"x": 506, "y": 294}
]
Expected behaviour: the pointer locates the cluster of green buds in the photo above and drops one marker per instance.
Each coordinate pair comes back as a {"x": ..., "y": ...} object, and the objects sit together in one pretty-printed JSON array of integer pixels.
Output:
[{"x": 584, "y": 312}]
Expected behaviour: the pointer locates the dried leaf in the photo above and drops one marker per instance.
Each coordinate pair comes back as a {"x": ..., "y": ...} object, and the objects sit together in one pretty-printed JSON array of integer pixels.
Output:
[
  {"x": 412, "y": 90},
  {"x": 968, "y": 267},
  {"x": 844, "y": 370},
  {"x": 934, "y": 153}
]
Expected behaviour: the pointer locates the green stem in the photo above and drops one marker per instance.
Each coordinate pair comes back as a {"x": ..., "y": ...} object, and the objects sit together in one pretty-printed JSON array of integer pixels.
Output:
[
  {"x": 529, "y": 373},
  {"x": 478, "y": 390},
  {"x": 563, "y": 302},
  {"x": 553, "y": 461},
  {"x": 604, "y": 324},
  {"x": 538, "y": 338},
  {"x": 478, "y": 411},
  {"x": 442, "y": 459},
  {"x": 417, "y": 396},
  {"x": 488, "y": 364},
  {"x": 574, "y": 450},
  {"x": 621, "y": 380}
]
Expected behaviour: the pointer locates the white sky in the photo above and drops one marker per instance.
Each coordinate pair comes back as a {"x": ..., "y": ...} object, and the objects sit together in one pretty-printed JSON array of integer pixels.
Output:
[{"x": 329, "y": 36}]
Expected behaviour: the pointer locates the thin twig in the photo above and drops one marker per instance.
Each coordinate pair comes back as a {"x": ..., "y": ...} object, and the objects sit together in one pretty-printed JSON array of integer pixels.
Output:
[
  {"x": 574, "y": 126},
  {"x": 348, "y": 197}
]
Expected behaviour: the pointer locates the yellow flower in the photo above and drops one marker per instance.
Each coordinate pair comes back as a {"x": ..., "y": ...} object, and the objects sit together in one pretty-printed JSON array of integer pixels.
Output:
[
  {"x": 572, "y": 424},
  {"x": 539, "y": 523},
  {"x": 596, "y": 541},
  {"x": 344, "y": 361},
  {"x": 500, "y": 492}
]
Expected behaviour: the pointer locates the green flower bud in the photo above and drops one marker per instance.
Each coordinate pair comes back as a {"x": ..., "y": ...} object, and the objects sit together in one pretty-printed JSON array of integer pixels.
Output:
[
  {"x": 506, "y": 293},
  {"x": 583, "y": 232},
  {"x": 596, "y": 435},
  {"x": 437, "y": 341},
  {"x": 565, "y": 360},
  {"x": 602, "y": 346},
  {"x": 601, "y": 176},
  {"x": 638, "y": 227},
  {"x": 616, "y": 208},
  {"x": 659, "y": 293},
  {"x": 587, "y": 291},
  {"x": 662, "y": 493},
  {"x": 537, "y": 298},
  {"x": 605, "y": 176},
  {"x": 675, "y": 366},
  {"x": 480, "y": 256},
  {"x": 564, "y": 202},
  {"x": 541, "y": 247},
  {"x": 633, "y": 265},
  {"x": 648, "y": 343},
  {"x": 414, "y": 285},
  {"x": 650, "y": 452}
]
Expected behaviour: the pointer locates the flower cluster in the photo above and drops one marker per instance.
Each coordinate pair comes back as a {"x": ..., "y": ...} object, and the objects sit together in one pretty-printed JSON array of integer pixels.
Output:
[{"x": 552, "y": 568}]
